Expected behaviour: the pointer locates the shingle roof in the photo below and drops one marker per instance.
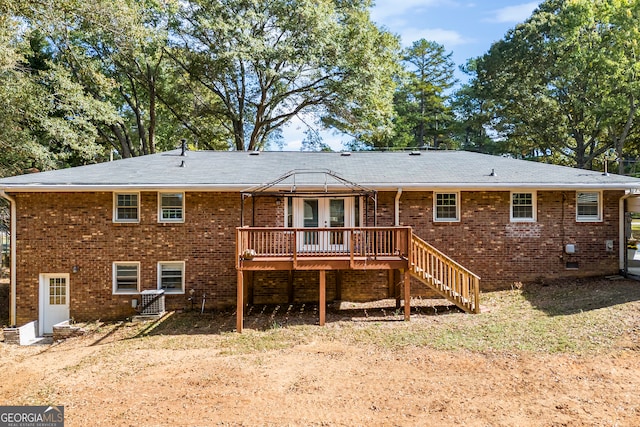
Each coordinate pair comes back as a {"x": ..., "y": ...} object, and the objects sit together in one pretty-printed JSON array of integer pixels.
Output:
[{"x": 229, "y": 170}]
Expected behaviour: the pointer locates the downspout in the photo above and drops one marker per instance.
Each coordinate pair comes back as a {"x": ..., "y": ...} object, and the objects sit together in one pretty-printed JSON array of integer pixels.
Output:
[
  {"x": 12, "y": 236},
  {"x": 397, "y": 207},
  {"x": 622, "y": 227}
]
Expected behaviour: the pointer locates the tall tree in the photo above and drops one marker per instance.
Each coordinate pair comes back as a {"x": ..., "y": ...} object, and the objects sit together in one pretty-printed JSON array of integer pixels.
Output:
[
  {"x": 421, "y": 102},
  {"x": 46, "y": 119},
  {"x": 265, "y": 61},
  {"x": 563, "y": 85},
  {"x": 115, "y": 51}
]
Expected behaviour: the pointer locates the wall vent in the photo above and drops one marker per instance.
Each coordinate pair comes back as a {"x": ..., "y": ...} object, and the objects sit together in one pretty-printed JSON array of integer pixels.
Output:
[{"x": 572, "y": 265}]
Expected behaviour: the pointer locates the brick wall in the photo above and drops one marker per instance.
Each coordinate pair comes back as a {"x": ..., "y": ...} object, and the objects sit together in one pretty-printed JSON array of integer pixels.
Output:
[
  {"x": 58, "y": 231},
  {"x": 501, "y": 252}
]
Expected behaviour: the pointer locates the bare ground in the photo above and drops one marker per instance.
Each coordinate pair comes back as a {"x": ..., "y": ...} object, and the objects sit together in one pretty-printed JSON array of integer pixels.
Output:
[{"x": 365, "y": 367}]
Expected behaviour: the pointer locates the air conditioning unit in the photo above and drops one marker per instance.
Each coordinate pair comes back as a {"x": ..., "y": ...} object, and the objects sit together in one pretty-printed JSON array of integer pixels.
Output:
[{"x": 152, "y": 302}]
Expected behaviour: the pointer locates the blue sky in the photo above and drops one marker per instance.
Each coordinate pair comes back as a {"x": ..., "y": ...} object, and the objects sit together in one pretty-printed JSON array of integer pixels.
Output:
[{"x": 464, "y": 27}]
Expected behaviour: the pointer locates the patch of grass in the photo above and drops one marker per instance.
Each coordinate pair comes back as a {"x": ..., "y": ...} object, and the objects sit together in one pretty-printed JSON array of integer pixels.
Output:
[
  {"x": 514, "y": 323},
  {"x": 578, "y": 317},
  {"x": 262, "y": 341}
]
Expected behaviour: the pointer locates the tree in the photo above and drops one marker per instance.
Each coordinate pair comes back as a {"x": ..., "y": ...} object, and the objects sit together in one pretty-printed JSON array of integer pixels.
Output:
[
  {"x": 264, "y": 62},
  {"x": 422, "y": 111},
  {"x": 562, "y": 86},
  {"x": 46, "y": 117},
  {"x": 115, "y": 51}
]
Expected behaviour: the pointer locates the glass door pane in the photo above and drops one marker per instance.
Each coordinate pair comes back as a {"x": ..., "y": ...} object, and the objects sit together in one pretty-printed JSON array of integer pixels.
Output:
[
  {"x": 336, "y": 219},
  {"x": 311, "y": 219}
]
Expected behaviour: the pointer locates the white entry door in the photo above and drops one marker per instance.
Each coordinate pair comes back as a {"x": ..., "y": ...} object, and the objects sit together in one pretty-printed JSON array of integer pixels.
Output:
[
  {"x": 323, "y": 213},
  {"x": 54, "y": 301}
]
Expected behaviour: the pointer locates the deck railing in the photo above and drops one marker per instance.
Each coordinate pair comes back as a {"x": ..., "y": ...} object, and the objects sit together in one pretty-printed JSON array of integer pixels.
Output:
[
  {"x": 447, "y": 277},
  {"x": 441, "y": 273},
  {"x": 285, "y": 242}
]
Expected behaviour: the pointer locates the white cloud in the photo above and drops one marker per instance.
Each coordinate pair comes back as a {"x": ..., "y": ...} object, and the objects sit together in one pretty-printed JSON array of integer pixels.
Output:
[
  {"x": 447, "y": 38},
  {"x": 513, "y": 14}
]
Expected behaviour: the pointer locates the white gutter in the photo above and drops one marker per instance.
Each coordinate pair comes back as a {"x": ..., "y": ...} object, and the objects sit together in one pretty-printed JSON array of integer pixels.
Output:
[
  {"x": 12, "y": 236},
  {"x": 226, "y": 187},
  {"x": 397, "y": 207}
]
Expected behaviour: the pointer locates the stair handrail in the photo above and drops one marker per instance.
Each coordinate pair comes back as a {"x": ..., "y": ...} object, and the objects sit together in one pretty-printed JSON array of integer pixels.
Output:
[{"x": 474, "y": 293}]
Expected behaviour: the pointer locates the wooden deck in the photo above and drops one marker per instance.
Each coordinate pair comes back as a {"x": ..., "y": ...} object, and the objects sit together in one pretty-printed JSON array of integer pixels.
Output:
[
  {"x": 360, "y": 248},
  {"x": 322, "y": 248}
]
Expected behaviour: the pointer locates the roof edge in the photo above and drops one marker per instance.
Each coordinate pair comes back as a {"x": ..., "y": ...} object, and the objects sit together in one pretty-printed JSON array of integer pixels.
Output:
[{"x": 72, "y": 188}]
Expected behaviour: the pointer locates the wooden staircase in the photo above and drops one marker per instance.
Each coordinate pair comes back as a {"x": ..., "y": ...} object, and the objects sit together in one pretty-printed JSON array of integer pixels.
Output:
[{"x": 445, "y": 276}]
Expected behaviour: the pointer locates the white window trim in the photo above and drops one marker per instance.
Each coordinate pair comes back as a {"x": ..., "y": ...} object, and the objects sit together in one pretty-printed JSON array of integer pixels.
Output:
[
  {"x": 160, "y": 219},
  {"x": 115, "y": 207},
  {"x": 600, "y": 204},
  {"x": 160, "y": 276},
  {"x": 435, "y": 207},
  {"x": 534, "y": 208},
  {"x": 115, "y": 282}
]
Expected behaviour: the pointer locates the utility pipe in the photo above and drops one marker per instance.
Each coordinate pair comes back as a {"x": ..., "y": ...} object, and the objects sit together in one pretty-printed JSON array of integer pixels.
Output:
[
  {"x": 12, "y": 236},
  {"x": 397, "y": 207}
]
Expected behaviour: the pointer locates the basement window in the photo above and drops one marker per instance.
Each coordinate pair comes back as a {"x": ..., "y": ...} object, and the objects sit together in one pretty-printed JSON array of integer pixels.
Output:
[
  {"x": 126, "y": 277},
  {"x": 446, "y": 207},
  {"x": 523, "y": 207},
  {"x": 126, "y": 207},
  {"x": 588, "y": 206},
  {"x": 171, "y": 277}
]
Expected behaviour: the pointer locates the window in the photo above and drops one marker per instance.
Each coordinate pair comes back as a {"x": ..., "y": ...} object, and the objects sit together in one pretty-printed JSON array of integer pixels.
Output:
[
  {"x": 446, "y": 207},
  {"x": 126, "y": 277},
  {"x": 171, "y": 277},
  {"x": 523, "y": 207},
  {"x": 588, "y": 206},
  {"x": 171, "y": 207},
  {"x": 126, "y": 207}
]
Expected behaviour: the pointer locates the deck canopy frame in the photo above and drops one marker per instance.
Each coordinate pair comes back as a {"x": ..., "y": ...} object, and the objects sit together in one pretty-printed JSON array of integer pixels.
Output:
[{"x": 288, "y": 185}]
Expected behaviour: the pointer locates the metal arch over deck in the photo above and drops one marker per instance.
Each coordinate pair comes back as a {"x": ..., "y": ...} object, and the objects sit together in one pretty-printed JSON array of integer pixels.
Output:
[{"x": 288, "y": 185}]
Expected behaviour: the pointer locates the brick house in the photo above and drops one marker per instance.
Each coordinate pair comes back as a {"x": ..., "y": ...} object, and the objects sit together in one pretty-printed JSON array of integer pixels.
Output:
[{"x": 277, "y": 227}]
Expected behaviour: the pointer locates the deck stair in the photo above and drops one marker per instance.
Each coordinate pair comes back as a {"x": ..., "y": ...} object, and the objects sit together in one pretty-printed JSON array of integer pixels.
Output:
[{"x": 445, "y": 276}]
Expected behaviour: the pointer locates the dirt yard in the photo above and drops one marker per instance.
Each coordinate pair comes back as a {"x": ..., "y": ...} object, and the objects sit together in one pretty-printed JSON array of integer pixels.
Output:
[{"x": 526, "y": 361}]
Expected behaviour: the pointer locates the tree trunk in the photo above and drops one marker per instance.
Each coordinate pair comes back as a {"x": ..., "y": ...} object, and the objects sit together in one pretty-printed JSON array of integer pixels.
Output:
[
  {"x": 125, "y": 150},
  {"x": 152, "y": 110}
]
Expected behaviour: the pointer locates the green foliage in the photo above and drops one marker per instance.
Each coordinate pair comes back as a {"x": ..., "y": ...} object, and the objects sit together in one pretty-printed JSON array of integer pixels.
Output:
[
  {"x": 46, "y": 117},
  {"x": 562, "y": 86},
  {"x": 85, "y": 78},
  {"x": 262, "y": 63},
  {"x": 422, "y": 112}
]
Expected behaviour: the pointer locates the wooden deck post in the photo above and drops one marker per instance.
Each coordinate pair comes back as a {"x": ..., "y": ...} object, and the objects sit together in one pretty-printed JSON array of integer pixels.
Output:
[
  {"x": 407, "y": 295},
  {"x": 323, "y": 296},
  {"x": 397, "y": 274},
  {"x": 240, "y": 303}
]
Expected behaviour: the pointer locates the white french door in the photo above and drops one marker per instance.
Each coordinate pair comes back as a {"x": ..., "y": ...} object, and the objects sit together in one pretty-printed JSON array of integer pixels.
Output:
[
  {"x": 54, "y": 301},
  {"x": 323, "y": 213}
]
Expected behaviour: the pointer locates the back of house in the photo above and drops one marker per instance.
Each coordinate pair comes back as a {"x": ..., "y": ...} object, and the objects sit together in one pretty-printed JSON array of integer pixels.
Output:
[{"x": 106, "y": 241}]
